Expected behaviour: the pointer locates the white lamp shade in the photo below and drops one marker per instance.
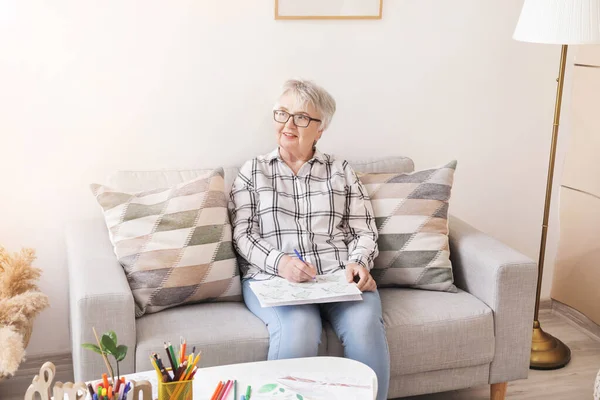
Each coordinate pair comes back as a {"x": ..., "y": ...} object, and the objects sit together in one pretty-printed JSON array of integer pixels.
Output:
[{"x": 559, "y": 22}]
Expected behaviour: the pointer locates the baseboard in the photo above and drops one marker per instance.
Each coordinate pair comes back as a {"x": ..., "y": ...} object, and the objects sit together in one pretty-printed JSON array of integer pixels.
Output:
[
  {"x": 576, "y": 317},
  {"x": 15, "y": 387},
  {"x": 546, "y": 304},
  {"x": 62, "y": 361},
  {"x": 53, "y": 353}
]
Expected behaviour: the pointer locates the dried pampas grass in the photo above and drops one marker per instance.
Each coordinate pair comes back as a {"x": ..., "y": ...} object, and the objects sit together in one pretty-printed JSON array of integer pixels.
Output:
[
  {"x": 16, "y": 273},
  {"x": 20, "y": 302},
  {"x": 20, "y": 309},
  {"x": 12, "y": 352}
]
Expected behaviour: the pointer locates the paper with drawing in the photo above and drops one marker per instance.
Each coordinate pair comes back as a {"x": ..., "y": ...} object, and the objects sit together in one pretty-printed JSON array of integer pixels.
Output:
[
  {"x": 325, "y": 289},
  {"x": 290, "y": 387}
]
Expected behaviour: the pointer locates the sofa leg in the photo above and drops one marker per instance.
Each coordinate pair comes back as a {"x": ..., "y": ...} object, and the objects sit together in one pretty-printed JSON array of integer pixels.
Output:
[{"x": 498, "y": 390}]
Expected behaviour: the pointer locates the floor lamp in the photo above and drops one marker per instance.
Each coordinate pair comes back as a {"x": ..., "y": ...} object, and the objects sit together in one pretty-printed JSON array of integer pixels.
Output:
[{"x": 563, "y": 22}]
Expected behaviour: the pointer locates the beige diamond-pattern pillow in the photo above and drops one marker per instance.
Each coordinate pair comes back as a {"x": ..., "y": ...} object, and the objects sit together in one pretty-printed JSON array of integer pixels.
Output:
[
  {"x": 173, "y": 243},
  {"x": 411, "y": 214}
]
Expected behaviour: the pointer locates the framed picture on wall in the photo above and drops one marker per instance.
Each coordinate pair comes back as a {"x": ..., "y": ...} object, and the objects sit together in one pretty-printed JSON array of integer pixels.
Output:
[{"x": 328, "y": 9}]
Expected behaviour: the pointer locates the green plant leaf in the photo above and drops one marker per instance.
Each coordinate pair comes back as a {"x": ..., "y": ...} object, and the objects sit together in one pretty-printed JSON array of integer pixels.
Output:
[
  {"x": 299, "y": 397},
  {"x": 108, "y": 345},
  {"x": 121, "y": 352},
  {"x": 269, "y": 387},
  {"x": 113, "y": 336},
  {"x": 93, "y": 347}
]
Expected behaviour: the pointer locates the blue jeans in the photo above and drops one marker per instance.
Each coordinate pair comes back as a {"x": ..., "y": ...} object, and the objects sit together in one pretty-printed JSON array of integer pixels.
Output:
[{"x": 295, "y": 331}]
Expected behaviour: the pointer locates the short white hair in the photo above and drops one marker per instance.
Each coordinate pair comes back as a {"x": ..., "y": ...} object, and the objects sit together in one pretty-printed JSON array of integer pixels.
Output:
[{"x": 308, "y": 92}]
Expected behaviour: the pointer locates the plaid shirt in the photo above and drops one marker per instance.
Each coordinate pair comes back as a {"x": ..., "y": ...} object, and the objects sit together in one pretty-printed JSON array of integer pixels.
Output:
[{"x": 324, "y": 212}]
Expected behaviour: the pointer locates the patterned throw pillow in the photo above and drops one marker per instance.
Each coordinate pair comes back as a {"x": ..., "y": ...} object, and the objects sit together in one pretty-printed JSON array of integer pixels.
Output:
[
  {"x": 411, "y": 213},
  {"x": 174, "y": 243}
]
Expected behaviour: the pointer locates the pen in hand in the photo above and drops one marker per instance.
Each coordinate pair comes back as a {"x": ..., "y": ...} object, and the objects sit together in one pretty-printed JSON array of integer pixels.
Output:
[{"x": 302, "y": 259}]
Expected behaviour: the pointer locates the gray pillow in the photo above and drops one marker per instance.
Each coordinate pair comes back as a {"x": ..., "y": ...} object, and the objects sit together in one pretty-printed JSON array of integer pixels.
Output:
[
  {"x": 411, "y": 214},
  {"x": 173, "y": 243}
]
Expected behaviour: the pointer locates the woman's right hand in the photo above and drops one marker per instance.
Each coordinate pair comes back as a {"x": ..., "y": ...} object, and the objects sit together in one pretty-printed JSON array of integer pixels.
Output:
[{"x": 294, "y": 270}]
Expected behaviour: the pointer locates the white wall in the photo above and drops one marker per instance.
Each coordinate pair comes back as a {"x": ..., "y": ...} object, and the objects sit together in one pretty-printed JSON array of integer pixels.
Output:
[{"x": 87, "y": 88}]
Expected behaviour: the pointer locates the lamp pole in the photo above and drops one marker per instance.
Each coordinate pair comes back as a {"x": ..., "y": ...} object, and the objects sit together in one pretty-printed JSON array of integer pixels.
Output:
[{"x": 548, "y": 352}]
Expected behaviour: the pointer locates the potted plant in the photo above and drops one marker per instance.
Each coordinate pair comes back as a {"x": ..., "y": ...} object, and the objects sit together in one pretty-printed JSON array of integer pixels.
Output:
[{"x": 107, "y": 345}]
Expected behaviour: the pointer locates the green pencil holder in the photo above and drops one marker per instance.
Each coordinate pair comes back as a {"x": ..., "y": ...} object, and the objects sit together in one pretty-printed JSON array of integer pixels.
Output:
[{"x": 180, "y": 390}]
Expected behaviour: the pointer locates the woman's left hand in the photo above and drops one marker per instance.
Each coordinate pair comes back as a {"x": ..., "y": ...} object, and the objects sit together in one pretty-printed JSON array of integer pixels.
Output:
[{"x": 366, "y": 282}]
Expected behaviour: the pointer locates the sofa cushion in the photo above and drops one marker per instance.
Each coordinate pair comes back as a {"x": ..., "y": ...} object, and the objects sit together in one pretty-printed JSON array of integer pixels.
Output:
[
  {"x": 411, "y": 214},
  {"x": 151, "y": 179},
  {"x": 426, "y": 331},
  {"x": 385, "y": 165},
  {"x": 174, "y": 243},
  {"x": 226, "y": 333},
  {"x": 134, "y": 181},
  {"x": 429, "y": 331}
]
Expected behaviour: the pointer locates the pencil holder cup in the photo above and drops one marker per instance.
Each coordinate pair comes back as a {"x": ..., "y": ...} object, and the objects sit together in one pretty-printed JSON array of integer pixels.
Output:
[{"x": 179, "y": 390}]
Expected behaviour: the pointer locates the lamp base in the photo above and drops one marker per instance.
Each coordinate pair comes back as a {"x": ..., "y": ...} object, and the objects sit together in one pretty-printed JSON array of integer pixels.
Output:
[{"x": 547, "y": 352}]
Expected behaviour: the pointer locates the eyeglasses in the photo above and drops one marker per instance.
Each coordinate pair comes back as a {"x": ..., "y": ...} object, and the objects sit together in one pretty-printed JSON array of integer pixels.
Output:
[{"x": 300, "y": 120}]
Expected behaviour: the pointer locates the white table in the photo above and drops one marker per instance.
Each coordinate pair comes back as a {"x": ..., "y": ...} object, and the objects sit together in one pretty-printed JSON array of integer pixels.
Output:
[{"x": 362, "y": 379}]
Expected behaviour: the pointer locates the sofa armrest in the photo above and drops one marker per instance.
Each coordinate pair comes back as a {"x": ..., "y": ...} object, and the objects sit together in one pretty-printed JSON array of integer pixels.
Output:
[
  {"x": 505, "y": 280},
  {"x": 99, "y": 297}
]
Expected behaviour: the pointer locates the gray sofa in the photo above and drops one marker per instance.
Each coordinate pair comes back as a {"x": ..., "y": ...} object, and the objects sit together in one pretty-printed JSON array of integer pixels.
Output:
[{"x": 438, "y": 341}]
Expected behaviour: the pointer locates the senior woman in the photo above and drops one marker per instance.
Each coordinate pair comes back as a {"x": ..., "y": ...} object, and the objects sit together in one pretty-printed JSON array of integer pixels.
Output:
[{"x": 299, "y": 198}]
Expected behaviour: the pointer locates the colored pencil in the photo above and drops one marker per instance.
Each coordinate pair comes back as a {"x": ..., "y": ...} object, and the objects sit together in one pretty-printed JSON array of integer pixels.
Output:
[
  {"x": 180, "y": 371},
  {"x": 216, "y": 392},
  {"x": 227, "y": 389},
  {"x": 171, "y": 360},
  {"x": 163, "y": 370},
  {"x": 183, "y": 348},
  {"x": 220, "y": 396},
  {"x": 175, "y": 359},
  {"x": 235, "y": 389},
  {"x": 155, "y": 365}
]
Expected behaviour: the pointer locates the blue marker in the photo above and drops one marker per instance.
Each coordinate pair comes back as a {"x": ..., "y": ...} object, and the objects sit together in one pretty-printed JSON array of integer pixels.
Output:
[{"x": 302, "y": 259}]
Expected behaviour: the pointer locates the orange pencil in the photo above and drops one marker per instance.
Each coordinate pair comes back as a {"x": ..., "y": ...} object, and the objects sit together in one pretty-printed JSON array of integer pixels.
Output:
[
  {"x": 219, "y": 386},
  {"x": 110, "y": 392},
  {"x": 183, "y": 350},
  {"x": 105, "y": 380},
  {"x": 220, "y": 395}
]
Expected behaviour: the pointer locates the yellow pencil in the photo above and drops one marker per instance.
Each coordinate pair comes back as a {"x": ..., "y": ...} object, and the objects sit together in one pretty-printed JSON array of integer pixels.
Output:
[
  {"x": 191, "y": 367},
  {"x": 158, "y": 373},
  {"x": 195, "y": 362}
]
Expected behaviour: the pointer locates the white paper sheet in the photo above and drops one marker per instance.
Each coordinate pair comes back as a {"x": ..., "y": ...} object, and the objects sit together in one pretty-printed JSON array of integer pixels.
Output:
[
  {"x": 327, "y": 388},
  {"x": 325, "y": 289},
  {"x": 290, "y": 387}
]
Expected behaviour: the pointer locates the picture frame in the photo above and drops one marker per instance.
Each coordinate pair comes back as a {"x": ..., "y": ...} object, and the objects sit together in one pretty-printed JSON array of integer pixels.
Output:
[{"x": 328, "y": 9}]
